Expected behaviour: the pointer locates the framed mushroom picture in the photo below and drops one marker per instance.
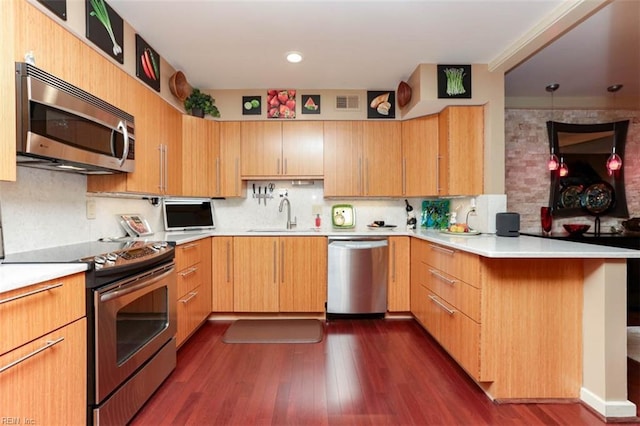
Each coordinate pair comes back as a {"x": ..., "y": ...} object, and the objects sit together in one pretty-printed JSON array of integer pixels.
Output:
[{"x": 381, "y": 104}]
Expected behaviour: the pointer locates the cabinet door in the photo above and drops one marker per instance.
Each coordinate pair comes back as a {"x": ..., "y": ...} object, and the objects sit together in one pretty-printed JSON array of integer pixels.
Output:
[
  {"x": 303, "y": 274},
  {"x": 419, "y": 156},
  {"x": 231, "y": 184},
  {"x": 398, "y": 294},
  {"x": 461, "y": 151},
  {"x": 343, "y": 158},
  {"x": 170, "y": 141},
  {"x": 204, "y": 304},
  {"x": 196, "y": 156},
  {"x": 222, "y": 274},
  {"x": 382, "y": 153},
  {"x": 302, "y": 148},
  {"x": 8, "y": 168},
  {"x": 255, "y": 272},
  {"x": 50, "y": 387},
  {"x": 261, "y": 148}
]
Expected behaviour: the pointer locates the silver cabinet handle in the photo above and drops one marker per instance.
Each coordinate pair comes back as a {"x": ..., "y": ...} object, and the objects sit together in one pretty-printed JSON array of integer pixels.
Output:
[
  {"x": 30, "y": 293},
  {"x": 50, "y": 343},
  {"x": 366, "y": 176},
  {"x": 404, "y": 176},
  {"x": 165, "y": 149},
  {"x": 393, "y": 261},
  {"x": 189, "y": 271},
  {"x": 161, "y": 162},
  {"x": 191, "y": 296},
  {"x": 278, "y": 167},
  {"x": 360, "y": 178},
  {"x": 218, "y": 176},
  {"x": 442, "y": 249},
  {"x": 282, "y": 261},
  {"x": 441, "y": 305},
  {"x": 438, "y": 188},
  {"x": 237, "y": 175},
  {"x": 228, "y": 261},
  {"x": 188, "y": 246},
  {"x": 285, "y": 167},
  {"x": 275, "y": 260},
  {"x": 442, "y": 277}
]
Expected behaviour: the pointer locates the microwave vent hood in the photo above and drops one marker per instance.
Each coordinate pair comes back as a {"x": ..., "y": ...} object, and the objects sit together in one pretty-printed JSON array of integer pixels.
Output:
[{"x": 63, "y": 128}]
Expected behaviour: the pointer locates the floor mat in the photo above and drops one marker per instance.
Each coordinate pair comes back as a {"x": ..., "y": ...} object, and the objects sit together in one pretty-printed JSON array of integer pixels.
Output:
[{"x": 274, "y": 331}]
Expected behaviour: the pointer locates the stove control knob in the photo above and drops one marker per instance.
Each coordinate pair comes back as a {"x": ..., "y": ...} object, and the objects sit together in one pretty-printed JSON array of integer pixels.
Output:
[
  {"x": 158, "y": 246},
  {"x": 111, "y": 257},
  {"x": 100, "y": 260}
]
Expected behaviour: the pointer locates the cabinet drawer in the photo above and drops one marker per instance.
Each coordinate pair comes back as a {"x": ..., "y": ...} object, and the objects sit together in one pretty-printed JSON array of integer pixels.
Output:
[
  {"x": 188, "y": 254},
  {"x": 457, "y": 333},
  {"x": 462, "y": 265},
  {"x": 189, "y": 278},
  {"x": 457, "y": 293},
  {"x": 49, "y": 387},
  {"x": 30, "y": 312}
]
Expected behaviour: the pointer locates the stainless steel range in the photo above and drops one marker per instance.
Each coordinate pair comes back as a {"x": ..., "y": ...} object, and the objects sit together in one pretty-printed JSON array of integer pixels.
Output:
[{"x": 131, "y": 317}]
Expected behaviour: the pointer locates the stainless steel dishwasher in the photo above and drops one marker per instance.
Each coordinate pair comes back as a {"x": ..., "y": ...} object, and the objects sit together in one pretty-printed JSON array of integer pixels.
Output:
[{"x": 357, "y": 276}]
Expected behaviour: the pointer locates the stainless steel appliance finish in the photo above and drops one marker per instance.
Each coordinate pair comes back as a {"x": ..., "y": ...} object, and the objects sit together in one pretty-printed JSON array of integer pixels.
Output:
[
  {"x": 131, "y": 321},
  {"x": 61, "y": 127},
  {"x": 357, "y": 276},
  {"x": 188, "y": 214}
]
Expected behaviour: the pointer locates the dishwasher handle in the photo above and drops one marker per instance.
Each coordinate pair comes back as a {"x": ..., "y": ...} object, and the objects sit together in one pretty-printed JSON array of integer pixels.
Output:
[{"x": 359, "y": 244}]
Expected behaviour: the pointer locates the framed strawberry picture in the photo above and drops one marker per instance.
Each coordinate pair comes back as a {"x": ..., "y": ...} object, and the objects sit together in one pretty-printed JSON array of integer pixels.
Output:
[
  {"x": 281, "y": 103},
  {"x": 147, "y": 63}
]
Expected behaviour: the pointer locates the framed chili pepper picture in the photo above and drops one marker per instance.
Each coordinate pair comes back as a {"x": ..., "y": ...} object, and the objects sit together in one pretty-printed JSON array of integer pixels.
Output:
[
  {"x": 147, "y": 63},
  {"x": 105, "y": 28}
]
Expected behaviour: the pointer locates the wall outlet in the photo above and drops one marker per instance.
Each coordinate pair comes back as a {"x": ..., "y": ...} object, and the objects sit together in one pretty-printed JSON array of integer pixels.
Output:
[{"x": 91, "y": 209}]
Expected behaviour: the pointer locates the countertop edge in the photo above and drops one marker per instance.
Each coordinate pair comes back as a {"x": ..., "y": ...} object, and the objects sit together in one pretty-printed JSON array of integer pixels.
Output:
[{"x": 19, "y": 275}]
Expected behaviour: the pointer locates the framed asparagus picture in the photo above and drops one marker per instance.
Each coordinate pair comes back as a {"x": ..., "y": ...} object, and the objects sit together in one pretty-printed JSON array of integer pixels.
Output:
[
  {"x": 147, "y": 63},
  {"x": 454, "y": 81},
  {"x": 105, "y": 28}
]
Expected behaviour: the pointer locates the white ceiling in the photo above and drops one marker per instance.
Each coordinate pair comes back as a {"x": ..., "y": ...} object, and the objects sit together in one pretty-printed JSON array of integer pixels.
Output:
[{"x": 360, "y": 44}]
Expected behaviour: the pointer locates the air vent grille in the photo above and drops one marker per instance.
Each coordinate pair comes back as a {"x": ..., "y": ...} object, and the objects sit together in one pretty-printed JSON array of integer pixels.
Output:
[{"x": 347, "y": 103}]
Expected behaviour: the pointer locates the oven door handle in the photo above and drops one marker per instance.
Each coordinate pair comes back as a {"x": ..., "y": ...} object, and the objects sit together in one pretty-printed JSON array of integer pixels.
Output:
[{"x": 128, "y": 287}]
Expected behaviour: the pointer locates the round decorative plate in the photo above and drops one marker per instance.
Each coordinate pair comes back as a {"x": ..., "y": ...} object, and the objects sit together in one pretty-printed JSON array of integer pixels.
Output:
[
  {"x": 597, "y": 198},
  {"x": 464, "y": 234},
  {"x": 570, "y": 196}
]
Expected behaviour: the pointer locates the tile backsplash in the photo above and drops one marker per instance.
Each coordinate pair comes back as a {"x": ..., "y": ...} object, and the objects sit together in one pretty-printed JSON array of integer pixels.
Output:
[{"x": 45, "y": 209}]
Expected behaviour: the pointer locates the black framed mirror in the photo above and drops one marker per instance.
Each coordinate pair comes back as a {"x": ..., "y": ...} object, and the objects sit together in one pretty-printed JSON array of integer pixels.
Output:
[{"x": 589, "y": 188}]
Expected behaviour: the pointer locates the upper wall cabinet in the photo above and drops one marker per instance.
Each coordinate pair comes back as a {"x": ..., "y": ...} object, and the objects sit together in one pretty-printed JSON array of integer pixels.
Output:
[
  {"x": 273, "y": 149},
  {"x": 7, "y": 95},
  {"x": 362, "y": 159},
  {"x": 461, "y": 151},
  {"x": 200, "y": 157},
  {"x": 419, "y": 156},
  {"x": 230, "y": 182}
]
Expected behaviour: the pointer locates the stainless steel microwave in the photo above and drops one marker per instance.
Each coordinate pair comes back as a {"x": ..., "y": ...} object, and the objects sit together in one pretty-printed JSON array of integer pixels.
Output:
[{"x": 62, "y": 127}]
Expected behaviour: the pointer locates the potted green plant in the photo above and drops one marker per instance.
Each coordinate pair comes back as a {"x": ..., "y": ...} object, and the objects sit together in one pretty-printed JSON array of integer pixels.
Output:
[{"x": 199, "y": 104}]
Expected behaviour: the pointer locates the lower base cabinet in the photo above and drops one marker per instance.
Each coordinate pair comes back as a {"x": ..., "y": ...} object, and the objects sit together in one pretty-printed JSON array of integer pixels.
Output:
[
  {"x": 222, "y": 274},
  {"x": 279, "y": 274},
  {"x": 193, "y": 262},
  {"x": 50, "y": 387},
  {"x": 514, "y": 325},
  {"x": 398, "y": 291}
]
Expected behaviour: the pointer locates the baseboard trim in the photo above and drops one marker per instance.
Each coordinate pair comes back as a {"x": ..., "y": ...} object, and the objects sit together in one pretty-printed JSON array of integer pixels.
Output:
[{"x": 608, "y": 409}]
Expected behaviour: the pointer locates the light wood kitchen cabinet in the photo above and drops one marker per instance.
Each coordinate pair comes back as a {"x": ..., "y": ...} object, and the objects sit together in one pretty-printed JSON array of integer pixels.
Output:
[
  {"x": 193, "y": 265},
  {"x": 279, "y": 274},
  {"x": 200, "y": 156},
  {"x": 460, "y": 168},
  {"x": 497, "y": 316},
  {"x": 281, "y": 150},
  {"x": 255, "y": 273},
  {"x": 419, "y": 156},
  {"x": 222, "y": 274},
  {"x": 303, "y": 274},
  {"x": 8, "y": 168},
  {"x": 230, "y": 182},
  {"x": 43, "y": 347},
  {"x": 362, "y": 159},
  {"x": 398, "y": 288}
]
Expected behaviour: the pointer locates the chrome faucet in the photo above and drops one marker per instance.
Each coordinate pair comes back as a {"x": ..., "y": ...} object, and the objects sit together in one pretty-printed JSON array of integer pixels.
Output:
[{"x": 289, "y": 223}]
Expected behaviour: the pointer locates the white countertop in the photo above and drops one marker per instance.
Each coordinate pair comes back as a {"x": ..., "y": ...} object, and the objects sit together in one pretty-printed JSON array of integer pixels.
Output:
[{"x": 14, "y": 276}]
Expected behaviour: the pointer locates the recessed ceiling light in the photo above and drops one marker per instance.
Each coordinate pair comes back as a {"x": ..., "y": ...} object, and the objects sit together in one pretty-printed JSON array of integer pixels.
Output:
[{"x": 294, "y": 57}]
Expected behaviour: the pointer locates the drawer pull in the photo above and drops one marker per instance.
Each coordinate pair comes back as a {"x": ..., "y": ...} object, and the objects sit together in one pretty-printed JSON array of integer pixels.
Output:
[
  {"x": 442, "y": 249},
  {"x": 50, "y": 343},
  {"x": 189, "y": 271},
  {"x": 442, "y": 277},
  {"x": 191, "y": 296},
  {"x": 31, "y": 293},
  {"x": 189, "y": 246},
  {"x": 437, "y": 302}
]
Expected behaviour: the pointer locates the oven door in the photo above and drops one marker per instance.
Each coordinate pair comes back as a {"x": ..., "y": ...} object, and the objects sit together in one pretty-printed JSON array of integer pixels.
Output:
[{"x": 134, "y": 318}]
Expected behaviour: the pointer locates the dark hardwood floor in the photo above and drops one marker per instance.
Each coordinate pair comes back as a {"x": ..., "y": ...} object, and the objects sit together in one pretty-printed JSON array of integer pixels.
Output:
[{"x": 364, "y": 372}]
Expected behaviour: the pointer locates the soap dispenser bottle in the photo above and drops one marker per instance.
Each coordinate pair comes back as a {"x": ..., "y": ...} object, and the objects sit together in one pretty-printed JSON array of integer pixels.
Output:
[{"x": 318, "y": 221}]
